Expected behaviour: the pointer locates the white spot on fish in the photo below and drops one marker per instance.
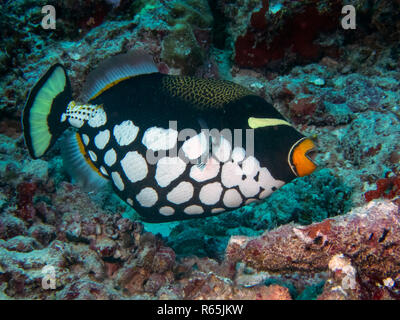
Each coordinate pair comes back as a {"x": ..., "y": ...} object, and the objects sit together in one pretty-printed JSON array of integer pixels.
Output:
[
  {"x": 85, "y": 139},
  {"x": 222, "y": 151},
  {"x": 117, "y": 181},
  {"x": 101, "y": 139},
  {"x": 232, "y": 198},
  {"x": 147, "y": 197},
  {"x": 231, "y": 174},
  {"x": 250, "y": 166},
  {"x": 103, "y": 171},
  {"x": 238, "y": 154},
  {"x": 195, "y": 146},
  {"x": 217, "y": 210},
  {"x": 110, "y": 157},
  {"x": 244, "y": 177},
  {"x": 75, "y": 122},
  {"x": 157, "y": 139},
  {"x": 168, "y": 169},
  {"x": 92, "y": 156},
  {"x": 63, "y": 117},
  {"x": 268, "y": 182},
  {"x": 167, "y": 211},
  {"x": 265, "y": 194},
  {"x": 134, "y": 166},
  {"x": 194, "y": 209},
  {"x": 183, "y": 192},
  {"x": 251, "y": 200},
  {"x": 249, "y": 187},
  {"x": 211, "y": 193},
  {"x": 210, "y": 170},
  {"x": 98, "y": 118},
  {"x": 125, "y": 133}
]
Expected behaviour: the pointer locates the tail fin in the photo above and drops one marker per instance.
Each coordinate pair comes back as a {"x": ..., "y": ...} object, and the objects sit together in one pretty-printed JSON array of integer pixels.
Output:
[{"x": 46, "y": 103}]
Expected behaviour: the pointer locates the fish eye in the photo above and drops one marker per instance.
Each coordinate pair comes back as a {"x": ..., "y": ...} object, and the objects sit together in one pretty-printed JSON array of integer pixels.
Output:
[{"x": 301, "y": 157}]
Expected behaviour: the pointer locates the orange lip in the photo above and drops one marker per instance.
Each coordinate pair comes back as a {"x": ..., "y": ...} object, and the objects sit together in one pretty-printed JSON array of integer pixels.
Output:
[{"x": 302, "y": 163}]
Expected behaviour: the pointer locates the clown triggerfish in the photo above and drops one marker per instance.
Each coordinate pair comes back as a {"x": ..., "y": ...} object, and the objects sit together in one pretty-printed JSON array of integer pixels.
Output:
[{"x": 174, "y": 147}]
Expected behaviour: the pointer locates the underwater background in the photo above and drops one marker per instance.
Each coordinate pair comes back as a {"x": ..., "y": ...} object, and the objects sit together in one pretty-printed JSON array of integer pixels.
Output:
[{"x": 332, "y": 235}]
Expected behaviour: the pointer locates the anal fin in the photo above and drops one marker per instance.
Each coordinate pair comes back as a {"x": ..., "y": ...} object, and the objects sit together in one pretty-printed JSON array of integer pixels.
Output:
[{"x": 79, "y": 166}]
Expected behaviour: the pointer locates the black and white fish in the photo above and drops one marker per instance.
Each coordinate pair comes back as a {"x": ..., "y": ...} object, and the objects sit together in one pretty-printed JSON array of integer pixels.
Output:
[{"x": 173, "y": 147}]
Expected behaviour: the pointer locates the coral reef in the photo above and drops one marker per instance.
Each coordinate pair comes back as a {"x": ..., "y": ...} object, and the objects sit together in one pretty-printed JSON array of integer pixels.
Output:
[
  {"x": 387, "y": 188},
  {"x": 271, "y": 35},
  {"x": 283, "y": 33},
  {"x": 365, "y": 241},
  {"x": 102, "y": 255},
  {"x": 177, "y": 31}
]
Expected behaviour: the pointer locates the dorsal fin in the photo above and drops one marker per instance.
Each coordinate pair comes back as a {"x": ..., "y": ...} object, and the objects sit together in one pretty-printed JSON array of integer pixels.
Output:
[{"x": 116, "y": 69}]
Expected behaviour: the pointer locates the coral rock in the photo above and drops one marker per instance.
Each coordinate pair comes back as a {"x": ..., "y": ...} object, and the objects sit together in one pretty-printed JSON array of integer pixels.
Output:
[{"x": 361, "y": 235}]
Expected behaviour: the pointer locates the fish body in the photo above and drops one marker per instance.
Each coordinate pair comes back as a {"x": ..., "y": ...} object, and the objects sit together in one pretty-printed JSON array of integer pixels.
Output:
[{"x": 173, "y": 147}]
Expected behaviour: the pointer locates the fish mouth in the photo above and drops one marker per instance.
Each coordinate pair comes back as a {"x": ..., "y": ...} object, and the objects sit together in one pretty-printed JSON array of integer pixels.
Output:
[
  {"x": 311, "y": 155},
  {"x": 302, "y": 156}
]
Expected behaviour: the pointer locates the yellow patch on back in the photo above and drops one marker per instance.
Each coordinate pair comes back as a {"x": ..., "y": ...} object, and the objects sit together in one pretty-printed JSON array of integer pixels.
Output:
[
  {"x": 206, "y": 93},
  {"x": 255, "y": 123}
]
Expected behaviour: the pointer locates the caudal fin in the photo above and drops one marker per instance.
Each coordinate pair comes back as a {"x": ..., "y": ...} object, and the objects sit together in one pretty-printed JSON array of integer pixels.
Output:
[{"x": 44, "y": 107}]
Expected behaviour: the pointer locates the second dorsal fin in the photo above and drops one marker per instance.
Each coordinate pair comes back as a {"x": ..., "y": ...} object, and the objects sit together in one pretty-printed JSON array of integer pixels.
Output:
[{"x": 116, "y": 69}]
